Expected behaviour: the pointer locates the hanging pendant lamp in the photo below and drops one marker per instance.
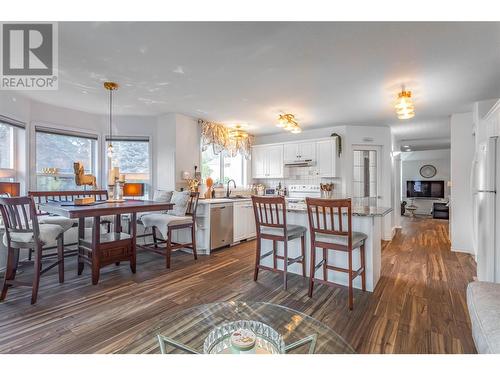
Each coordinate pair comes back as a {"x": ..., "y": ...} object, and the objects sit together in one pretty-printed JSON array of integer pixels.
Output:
[{"x": 110, "y": 86}]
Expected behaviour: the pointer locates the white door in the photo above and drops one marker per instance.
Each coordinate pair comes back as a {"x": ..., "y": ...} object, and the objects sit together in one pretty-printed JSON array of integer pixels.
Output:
[
  {"x": 258, "y": 162},
  {"x": 291, "y": 152},
  {"x": 274, "y": 158},
  {"x": 326, "y": 158},
  {"x": 307, "y": 151},
  {"x": 366, "y": 175}
]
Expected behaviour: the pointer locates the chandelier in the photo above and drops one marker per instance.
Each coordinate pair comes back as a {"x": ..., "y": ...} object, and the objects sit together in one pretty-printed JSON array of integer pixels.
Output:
[
  {"x": 287, "y": 121},
  {"x": 110, "y": 86},
  {"x": 404, "y": 106},
  {"x": 237, "y": 133}
]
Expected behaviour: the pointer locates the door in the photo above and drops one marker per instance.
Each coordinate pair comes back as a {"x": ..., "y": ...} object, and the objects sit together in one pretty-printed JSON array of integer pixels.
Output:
[
  {"x": 258, "y": 162},
  {"x": 291, "y": 152},
  {"x": 274, "y": 161},
  {"x": 366, "y": 175},
  {"x": 307, "y": 151},
  {"x": 326, "y": 159}
]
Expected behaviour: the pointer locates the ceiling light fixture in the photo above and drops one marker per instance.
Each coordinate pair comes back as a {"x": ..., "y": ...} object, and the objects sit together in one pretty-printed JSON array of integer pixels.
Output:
[
  {"x": 110, "y": 86},
  {"x": 405, "y": 109},
  {"x": 238, "y": 133},
  {"x": 287, "y": 121}
]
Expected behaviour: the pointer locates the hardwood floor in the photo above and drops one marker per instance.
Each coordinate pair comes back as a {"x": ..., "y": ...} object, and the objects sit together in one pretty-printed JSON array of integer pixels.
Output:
[{"x": 418, "y": 306}]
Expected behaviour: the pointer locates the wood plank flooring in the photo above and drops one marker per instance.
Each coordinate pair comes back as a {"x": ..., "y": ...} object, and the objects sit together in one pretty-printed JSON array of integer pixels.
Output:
[{"x": 418, "y": 306}]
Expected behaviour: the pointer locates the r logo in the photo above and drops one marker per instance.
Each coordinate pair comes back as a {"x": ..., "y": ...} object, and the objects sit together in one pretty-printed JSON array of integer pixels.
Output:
[{"x": 27, "y": 49}]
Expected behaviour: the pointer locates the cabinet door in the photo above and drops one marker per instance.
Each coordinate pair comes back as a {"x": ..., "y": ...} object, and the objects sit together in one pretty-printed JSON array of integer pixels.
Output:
[
  {"x": 250, "y": 220},
  {"x": 259, "y": 162},
  {"x": 307, "y": 151},
  {"x": 327, "y": 158},
  {"x": 291, "y": 152},
  {"x": 239, "y": 221},
  {"x": 274, "y": 156}
]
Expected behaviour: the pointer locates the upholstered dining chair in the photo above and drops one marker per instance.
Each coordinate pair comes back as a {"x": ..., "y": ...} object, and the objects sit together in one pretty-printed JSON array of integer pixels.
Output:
[
  {"x": 168, "y": 223},
  {"x": 270, "y": 222},
  {"x": 22, "y": 231},
  {"x": 330, "y": 223}
]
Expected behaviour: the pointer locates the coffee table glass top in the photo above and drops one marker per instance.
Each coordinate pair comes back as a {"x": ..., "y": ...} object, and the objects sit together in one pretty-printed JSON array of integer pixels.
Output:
[{"x": 186, "y": 331}]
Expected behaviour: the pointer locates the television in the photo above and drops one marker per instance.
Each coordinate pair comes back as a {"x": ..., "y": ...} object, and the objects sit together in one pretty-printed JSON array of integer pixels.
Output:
[{"x": 425, "y": 189}]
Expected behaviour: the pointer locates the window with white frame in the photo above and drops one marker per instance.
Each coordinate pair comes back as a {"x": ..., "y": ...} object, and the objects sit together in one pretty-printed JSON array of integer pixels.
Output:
[
  {"x": 9, "y": 133},
  {"x": 56, "y": 151},
  {"x": 132, "y": 156},
  {"x": 222, "y": 167}
]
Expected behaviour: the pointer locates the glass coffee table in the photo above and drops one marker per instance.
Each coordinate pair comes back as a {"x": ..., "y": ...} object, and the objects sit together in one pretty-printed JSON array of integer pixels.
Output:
[{"x": 206, "y": 329}]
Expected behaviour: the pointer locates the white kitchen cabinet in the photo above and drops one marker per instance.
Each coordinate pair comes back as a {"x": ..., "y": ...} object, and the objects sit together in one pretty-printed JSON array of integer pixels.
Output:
[
  {"x": 326, "y": 158},
  {"x": 300, "y": 151},
  {"x": 267, "y": 161},
  {"x": 243, "y": 221}
]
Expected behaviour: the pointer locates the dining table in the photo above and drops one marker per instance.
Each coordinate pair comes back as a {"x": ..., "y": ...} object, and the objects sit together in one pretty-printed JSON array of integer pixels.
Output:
[{"x": 102, "y": 249}]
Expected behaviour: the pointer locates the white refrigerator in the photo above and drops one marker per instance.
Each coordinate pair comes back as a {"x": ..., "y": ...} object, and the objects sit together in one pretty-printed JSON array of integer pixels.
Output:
[{"x": 485, "y": 201}]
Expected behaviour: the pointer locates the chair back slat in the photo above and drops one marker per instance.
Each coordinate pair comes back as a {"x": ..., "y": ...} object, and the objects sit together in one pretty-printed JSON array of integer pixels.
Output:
[
  {"x": 333, "y": 224},
  {"x": 192, "y": 204},
  {"x": 19, "y": 215},
  {"x": 41, "y": 197},
  {"x": 269, "y": 212}
]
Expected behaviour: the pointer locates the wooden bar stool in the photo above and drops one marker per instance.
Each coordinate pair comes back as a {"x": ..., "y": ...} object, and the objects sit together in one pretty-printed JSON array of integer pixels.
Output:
[
  {"x": 22, "y": 231},
  {"x": 330, "y": 234},
  {"x": 270, "y": 222}
]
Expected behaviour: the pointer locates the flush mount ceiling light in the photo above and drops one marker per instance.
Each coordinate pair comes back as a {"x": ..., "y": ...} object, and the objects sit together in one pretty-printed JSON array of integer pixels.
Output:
[
  {"x": 404, "y": 106},
  {"x": 238, "y": 133},
  {"x": 110, "y": 86},
  {"x": 287, "y": 121}
]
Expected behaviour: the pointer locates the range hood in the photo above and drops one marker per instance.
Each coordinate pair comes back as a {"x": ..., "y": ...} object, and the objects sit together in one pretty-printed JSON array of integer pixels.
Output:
[{"x": 299, "y": 163}]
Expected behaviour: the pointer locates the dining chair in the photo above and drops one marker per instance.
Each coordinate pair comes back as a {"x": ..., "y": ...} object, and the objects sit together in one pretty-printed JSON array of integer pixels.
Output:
[
  {"x": 270, "y": 222},
  {"x": 22, "y": 231},
  {"x": 328, "y": 232},
  {"x": 170, "y": 224}
]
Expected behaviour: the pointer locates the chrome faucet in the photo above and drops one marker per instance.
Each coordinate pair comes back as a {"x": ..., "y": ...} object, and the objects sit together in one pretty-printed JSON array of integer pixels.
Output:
[{"x": 228, "y": 192}]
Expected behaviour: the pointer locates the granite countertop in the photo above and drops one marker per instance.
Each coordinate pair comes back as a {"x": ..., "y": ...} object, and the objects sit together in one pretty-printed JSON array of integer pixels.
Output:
[{"x": 356, "y": 210}]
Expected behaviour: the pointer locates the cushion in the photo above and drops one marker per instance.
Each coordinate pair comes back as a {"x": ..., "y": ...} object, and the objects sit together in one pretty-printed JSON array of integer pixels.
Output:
[
  {"x": 48, "y": 234},
  {"x": 162, "y": 196},
  {"x": 357, "y": 238},
  {"x": 180, "y": 199},
  {"x": 483, "y": 301},
  {"x": 293, "y": 231},
  {"x": 64, "y": 222},
  {"x": 162, "y": 221}
]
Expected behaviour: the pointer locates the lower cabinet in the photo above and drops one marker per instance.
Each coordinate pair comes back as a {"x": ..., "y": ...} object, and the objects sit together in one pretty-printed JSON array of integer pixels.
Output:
[{"x": 243, "y": 221}]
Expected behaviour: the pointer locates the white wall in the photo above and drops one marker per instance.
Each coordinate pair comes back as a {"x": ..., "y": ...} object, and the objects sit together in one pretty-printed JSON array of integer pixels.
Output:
[
  {"x": 410, "y": 170},
  {"x": 462, "y": 154}
]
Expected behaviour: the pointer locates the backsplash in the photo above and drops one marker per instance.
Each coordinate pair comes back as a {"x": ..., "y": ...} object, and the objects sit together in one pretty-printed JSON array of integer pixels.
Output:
[{"x": 299, "y": 176}]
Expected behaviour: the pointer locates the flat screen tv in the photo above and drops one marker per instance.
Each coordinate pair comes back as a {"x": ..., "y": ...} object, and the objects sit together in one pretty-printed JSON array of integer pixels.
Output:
[{"x": 425, "y": 189}]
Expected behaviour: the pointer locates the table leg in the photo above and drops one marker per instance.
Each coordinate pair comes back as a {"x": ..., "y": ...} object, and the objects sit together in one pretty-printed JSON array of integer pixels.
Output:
[
  {"x": 96, "y": 234},
  {"x": 81, "y": 235},
  {"x": 118, "y": 223},
  {"x": 133, "y": 233}
]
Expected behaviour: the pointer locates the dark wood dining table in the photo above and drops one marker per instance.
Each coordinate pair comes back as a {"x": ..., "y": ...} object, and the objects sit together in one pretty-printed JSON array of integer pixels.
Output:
[{"x": 102, "y": 249}]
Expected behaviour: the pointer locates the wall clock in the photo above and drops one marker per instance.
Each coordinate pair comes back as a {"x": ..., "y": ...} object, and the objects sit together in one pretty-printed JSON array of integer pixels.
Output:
[{"x": 428, "y": 171}]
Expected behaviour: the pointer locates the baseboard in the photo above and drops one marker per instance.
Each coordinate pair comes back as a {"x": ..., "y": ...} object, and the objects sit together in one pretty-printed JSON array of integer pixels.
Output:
[{"x": 462, "y": 251}]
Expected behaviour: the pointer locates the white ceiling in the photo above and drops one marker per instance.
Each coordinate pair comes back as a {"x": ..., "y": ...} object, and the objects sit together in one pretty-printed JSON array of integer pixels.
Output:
[{"x": 325, "y": 73}]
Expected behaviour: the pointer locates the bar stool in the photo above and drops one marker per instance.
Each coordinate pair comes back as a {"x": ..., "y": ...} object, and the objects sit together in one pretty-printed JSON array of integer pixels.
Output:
[
  {"x": 270, "y": 222},
  {"x": 22, "y": 231},
  {"x": 329, "y": 234}
]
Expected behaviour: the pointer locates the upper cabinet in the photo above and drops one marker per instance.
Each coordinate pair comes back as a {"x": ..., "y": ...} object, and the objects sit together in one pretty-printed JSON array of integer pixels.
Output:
[
  {"x": 267, "y": 161},
  {"x": 301, "y": 151},
  {"x": 326, "y": 161}
]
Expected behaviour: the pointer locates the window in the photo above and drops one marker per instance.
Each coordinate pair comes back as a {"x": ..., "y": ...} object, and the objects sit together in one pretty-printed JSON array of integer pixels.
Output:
[
  {"x": 131, "y": 155},
  {"x": 56, "y": 151},
  {"x": 9, "y": 160},
  {"x": 222, "y": 168}
]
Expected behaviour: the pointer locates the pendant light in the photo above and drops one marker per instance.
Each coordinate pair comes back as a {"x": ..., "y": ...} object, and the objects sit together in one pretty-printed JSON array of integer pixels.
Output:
[
  {"x": 405, "y": 109},
  {"x": 110, "y": 86}
]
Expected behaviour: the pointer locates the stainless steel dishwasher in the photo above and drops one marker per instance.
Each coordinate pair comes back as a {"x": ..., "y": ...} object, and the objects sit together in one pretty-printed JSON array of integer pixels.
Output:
[{"x": 221, "y": 225}]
